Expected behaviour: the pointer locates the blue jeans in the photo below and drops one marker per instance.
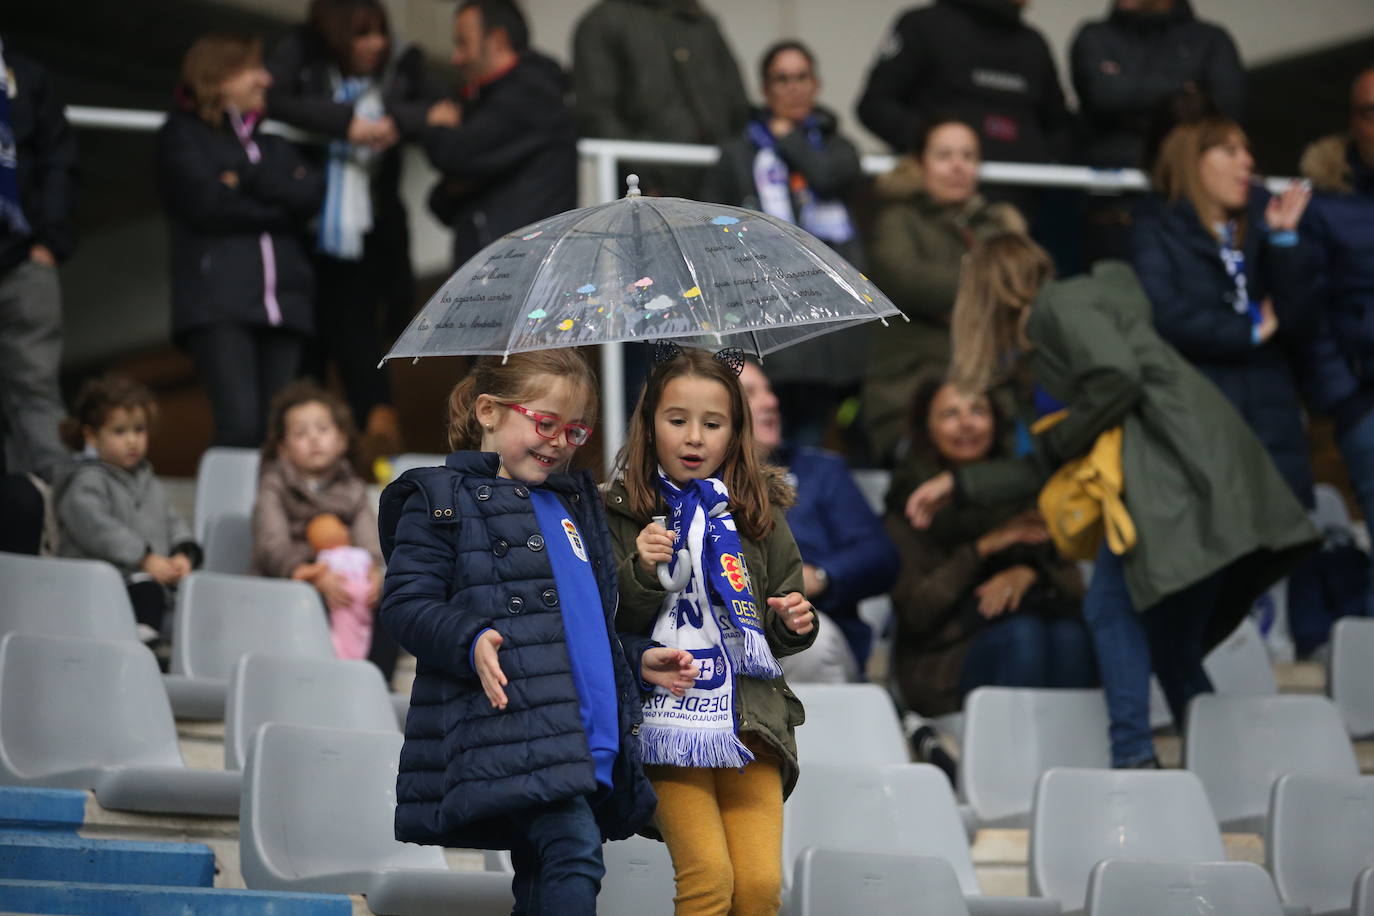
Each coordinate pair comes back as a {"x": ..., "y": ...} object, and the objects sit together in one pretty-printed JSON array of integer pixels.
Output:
[
  {"x": 1023, "y": 650},
  {"x": 1168, "y": 638},
  {"x": 1357, "y": 448},
  {"x": 558, "y": 866}
]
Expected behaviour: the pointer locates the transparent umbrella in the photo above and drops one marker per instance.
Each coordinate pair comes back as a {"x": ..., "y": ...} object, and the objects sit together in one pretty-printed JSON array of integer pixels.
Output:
[{"x": 643, "y": 269}]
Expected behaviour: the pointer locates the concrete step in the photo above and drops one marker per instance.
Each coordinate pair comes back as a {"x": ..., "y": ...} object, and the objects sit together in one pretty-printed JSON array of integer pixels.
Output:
[
  {"x": 62, "y": 857},
  {"x": 68, "y": 899}
]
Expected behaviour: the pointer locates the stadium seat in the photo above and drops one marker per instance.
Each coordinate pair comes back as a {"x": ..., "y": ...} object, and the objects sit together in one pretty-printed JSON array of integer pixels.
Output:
[
  {"x": 1362, "y": 901},
  {"x": 833, "y": 881},
  {"x": 1351, "y": 679},
  {"x": 92, "y": 714},
  {"x": 1238, "y": 746},
  {"x": 639, "y": 879},
  {"x": 411, "y": 460},
  {"x": 317, "y": 815},
  {"x": 229, "y": 544},
  {"x": 849, "y": 723},
  {"x": 873, "y": 483},
  {"x": 46, "y": 595},
  {"x": 1013, "y": 735},
  {"x": 220, "y": 617},
  {"x": 903, "y": 809},
  {"x": 1081, "y": 817},
  {"x": 1122, "y": 887},
  {"x": 1239, "y": 665},
  {"x": 323, "y": 692},
  {"x": 1319, "y": 836},
  {"x": 1331, "y": 510},
  {"x": 226, "y": 482}
]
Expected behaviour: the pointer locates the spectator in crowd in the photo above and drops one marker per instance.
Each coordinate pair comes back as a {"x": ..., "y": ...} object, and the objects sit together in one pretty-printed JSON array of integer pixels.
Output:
[
  {"x": 238, "y": 201},
  {"x": 341, "y": 77},
  {"x": 975, "y": 59},
  {"x": 111, "y": 505},
  {"x": 1123, "y": 68},
  {"x": 1215, "y": 522},
  {"x": 37, "y": 193},
  {"x": 657, "y": 70},
  {"x": 507, "y": 150},
  {"x": 983, "y": 599},
  {"x": 791, "y": 162},
  {"x": 1229, "y": 281},
  {"x": 1339, "y": 224},
  {"x": 306, "y": 473},
  {"x": 929, "y": 214},
  {"x": 846, "y": 556}
]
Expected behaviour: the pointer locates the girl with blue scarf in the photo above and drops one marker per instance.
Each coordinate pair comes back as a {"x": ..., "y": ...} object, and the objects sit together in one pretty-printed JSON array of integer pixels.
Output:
[{"x": 720, "y": 578}]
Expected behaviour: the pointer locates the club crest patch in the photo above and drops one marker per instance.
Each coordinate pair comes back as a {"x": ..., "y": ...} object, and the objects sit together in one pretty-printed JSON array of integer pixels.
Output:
[
  {"x": 734, "y": 570},
  {"x": 574, "y": 539}
]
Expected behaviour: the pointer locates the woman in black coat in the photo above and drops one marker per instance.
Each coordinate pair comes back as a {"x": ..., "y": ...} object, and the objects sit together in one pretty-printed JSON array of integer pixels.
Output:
[
  {"x": 238, "y": 202},
  {"x": 339, "y": 77},
  {"x": 1229, "y": 281}
]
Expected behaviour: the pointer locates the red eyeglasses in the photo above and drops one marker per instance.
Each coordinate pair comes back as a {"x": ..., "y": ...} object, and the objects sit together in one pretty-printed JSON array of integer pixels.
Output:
[{"x": 548, "y": 427}]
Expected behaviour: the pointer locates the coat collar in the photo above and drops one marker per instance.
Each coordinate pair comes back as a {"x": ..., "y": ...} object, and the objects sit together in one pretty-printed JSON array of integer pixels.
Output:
[{"x": 488, "y": 465}]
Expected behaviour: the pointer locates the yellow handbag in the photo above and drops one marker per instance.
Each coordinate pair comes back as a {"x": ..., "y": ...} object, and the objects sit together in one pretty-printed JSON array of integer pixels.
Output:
[{"x": 1081, "y": 502}]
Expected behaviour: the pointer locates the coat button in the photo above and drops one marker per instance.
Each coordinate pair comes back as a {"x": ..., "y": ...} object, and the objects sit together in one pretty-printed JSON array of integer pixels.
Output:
[
  {"x": 516, "y": 604},
  {"x": 448, "y": 513},
  {"x": 522, "y": 492},
  {"x": 550, "y": 597},
  {"x": 484, "y": 492},
  {"x": 535, "y": 542},
  {"x": 500, "y": 548},
  {"x": 576, "y": 497}
]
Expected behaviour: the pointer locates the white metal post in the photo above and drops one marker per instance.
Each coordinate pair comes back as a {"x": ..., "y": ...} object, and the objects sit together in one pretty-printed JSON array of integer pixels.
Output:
[{"x": 612, "y": 425}]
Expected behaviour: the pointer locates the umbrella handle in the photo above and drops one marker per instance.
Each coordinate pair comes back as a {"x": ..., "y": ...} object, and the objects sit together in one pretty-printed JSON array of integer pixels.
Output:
[{"x": 674, "y": 582}]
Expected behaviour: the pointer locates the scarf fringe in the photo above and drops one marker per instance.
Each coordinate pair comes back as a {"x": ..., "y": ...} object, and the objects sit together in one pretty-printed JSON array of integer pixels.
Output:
[
  {"x": 758, "y": 659},
  {"x": 672, "y": 746}
]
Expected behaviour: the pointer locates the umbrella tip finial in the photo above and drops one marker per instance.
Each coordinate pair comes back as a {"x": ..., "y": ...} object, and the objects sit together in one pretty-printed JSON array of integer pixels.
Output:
[{"x": 632, "y": 181}]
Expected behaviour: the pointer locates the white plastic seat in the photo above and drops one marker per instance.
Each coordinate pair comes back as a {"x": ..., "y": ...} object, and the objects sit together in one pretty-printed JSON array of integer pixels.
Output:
[
  {"x": 229, "y": 544},
  {"x": 849, "y": 723},
  {"x": 1362, "y": 900},
  {"x": 322, "y": 692},
  {"x": 1081, "y": 817},
  {"x": 1320, "y": 835},
  {"x": 411, "y": 460},
  {"x": 226, "y": 482},
  {"x": 1330, "y": 510},
  {"x": 639, "y": 879},
  {"x": 904, "y": 809},
  {"x": 1121, "y": 887},
  {"x": 1239, "y": 745},
  {"x": 1239, "y": 665},
  {"x": 1012, "y": 735},
  {"x": 57, "y": 597},
  {"x": 1351, "y": 678},
  {"x": 92, "y": 714},
  {"x": 317, "y": 815},
  {"x": 873, "y": 483},
  {"x": 832, "y": 881}
]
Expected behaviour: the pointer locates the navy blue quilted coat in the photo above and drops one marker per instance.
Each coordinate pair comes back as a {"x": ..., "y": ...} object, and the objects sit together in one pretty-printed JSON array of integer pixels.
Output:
[{"x": 465, "y": 552}]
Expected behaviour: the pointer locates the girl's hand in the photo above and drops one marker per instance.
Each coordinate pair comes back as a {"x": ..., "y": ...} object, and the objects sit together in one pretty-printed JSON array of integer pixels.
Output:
[
  {"x": 655, "y": 546},
  {"x": 374, "y": 587},
  {"x": 1004, "y": 591},
  {"x": 796, "y": 612},
  {"x": 1284, "y": 211},
  {"x": 928, "y": 499},
  {"x": 489, "y": 669},
  {"x": 675, "y": 670},
  {"x": 333, "y": 589}
]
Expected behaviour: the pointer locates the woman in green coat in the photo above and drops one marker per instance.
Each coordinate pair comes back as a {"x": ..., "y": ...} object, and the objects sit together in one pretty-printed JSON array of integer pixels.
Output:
[{"x": 1216, "y": 524}]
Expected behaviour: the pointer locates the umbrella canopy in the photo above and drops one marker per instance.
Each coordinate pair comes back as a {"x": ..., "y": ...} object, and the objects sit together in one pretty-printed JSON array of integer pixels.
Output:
[{"x": 642, "y": 269}]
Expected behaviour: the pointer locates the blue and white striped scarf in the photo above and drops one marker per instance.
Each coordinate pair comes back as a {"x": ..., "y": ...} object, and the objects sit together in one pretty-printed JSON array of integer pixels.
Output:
[
  {"x": 347, "y": 214},
  {"x": 11, "y": 212}
]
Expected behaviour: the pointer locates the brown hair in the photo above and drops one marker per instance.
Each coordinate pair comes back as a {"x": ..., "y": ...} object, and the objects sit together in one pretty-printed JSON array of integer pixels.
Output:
[
  {"x": 95, "y": 401},
  {"x": 755, "y": 487},
  {"x": 998, "y": 282},
  {"x": 337, "y": 22},
  {"x": 294, "y": 395},
  {"x": 511, "y": 381},
  {"x": 211, "y": 60},
  {"x": 1176, "y": 172}
]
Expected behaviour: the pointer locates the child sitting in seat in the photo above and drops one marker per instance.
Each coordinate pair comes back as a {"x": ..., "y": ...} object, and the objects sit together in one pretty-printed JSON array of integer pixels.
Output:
[
  {"x": 112, "y": 507},
  {"x": 350, "y": 624},
  {"x": 306, "y": 473}
]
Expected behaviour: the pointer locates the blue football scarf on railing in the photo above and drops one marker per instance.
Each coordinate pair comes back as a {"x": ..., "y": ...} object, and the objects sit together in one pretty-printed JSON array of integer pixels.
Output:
[
  {"x": 347, "y": 213},
  {"x": 11, "y": 212}
]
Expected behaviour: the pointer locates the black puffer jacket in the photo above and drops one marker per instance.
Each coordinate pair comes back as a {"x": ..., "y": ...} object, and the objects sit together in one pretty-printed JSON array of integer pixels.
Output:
[
  {"x": 215, "y": 230},
  {"x": 462, "y": 556},
  {"x": 512, "y": 160},
  {"x": 974, "y": 59},
  {"x": 1126, "y": 64}
]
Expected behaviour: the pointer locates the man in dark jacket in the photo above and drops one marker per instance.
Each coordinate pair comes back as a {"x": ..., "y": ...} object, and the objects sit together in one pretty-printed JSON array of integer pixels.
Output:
[
  {"x": 508, "y": 149},
  {"x": 628, "y": 88},
  {"x": 975, "y": 60},
  {"x": 37, "y": 191},
  {"x": 1145, "y": 50}
]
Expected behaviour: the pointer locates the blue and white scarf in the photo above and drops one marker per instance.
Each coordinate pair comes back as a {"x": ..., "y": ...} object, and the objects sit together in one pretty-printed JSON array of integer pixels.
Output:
[
  {"x": 11, "y": 213},
  {"x": 826, "y": 219},
  {"x": 714, "y": 617},
  {"x": 347, "y": 214},
  {"x": 1233, "y": 259}
]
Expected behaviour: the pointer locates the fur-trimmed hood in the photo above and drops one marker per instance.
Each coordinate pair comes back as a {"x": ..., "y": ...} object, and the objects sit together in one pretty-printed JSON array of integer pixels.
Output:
[
  {"x": 1326, "y": 164},
  {"x": 906, "y": 181}
]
